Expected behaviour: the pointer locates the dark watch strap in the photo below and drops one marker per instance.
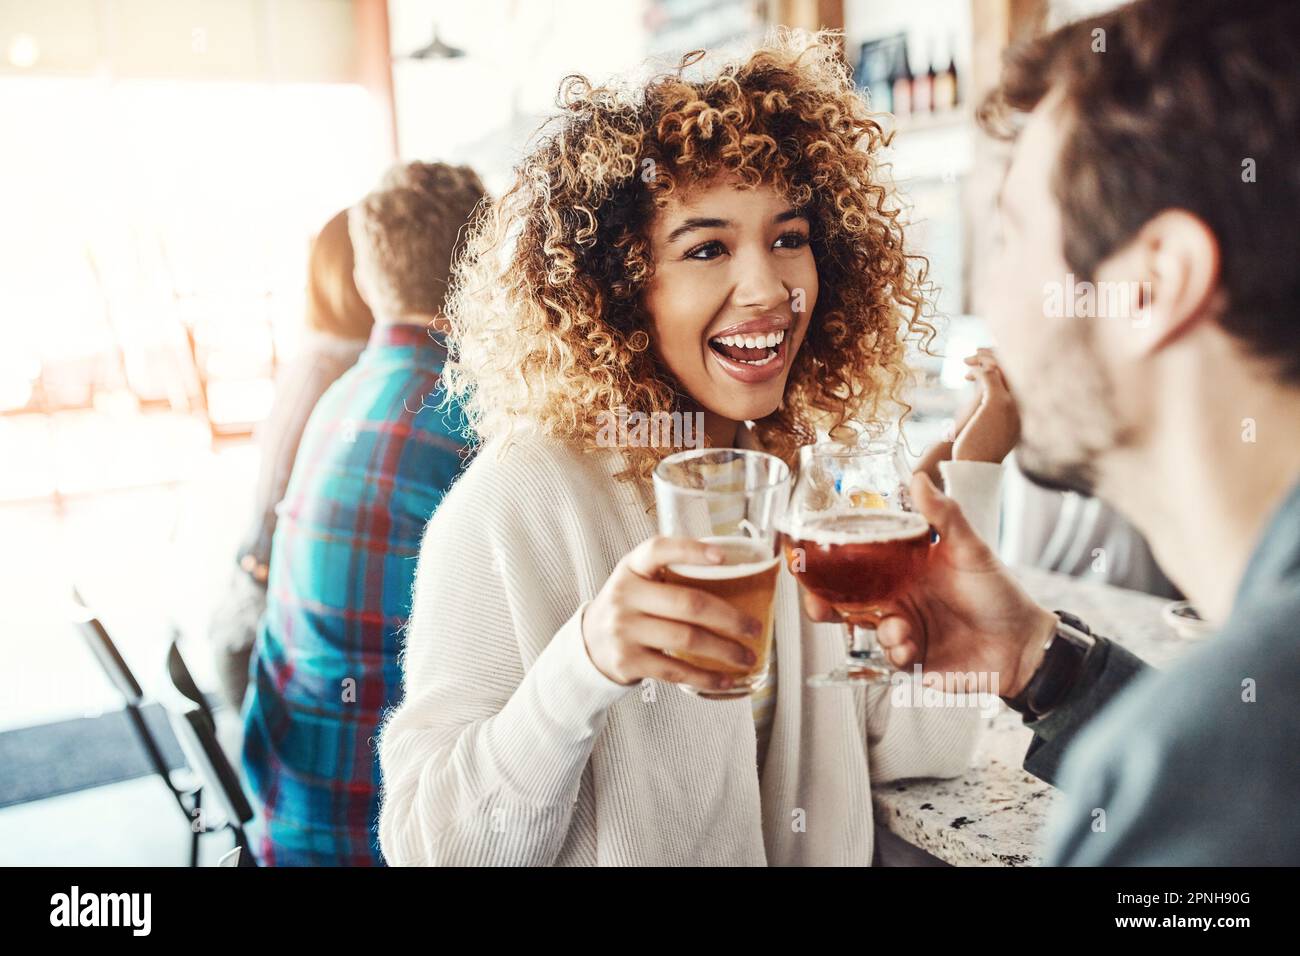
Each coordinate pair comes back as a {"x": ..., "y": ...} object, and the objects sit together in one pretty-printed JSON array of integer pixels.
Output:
[{"x": 1063, "y": 659}]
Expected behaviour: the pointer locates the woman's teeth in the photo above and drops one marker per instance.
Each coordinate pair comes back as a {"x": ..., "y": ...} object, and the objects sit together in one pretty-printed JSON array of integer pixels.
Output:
[
  {"x": 771, "y": 340},
  {"x": 751, "y": 349}
]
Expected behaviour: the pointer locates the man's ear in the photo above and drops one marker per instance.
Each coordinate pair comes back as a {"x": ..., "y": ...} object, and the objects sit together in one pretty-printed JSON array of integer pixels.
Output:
[{"x": 1173, "y": 266}]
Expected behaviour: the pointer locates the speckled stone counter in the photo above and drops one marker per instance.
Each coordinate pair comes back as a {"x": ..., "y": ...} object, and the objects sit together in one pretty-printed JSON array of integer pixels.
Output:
[{"x": 994, "y": 815}]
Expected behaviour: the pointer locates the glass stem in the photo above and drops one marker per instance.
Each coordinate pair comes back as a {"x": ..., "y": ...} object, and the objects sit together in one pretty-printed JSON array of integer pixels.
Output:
[{"x": 861, "y": 642}]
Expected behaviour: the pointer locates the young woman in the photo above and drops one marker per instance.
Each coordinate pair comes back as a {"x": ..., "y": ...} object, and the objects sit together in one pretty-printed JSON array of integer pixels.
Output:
[{"x": 719, "y": 245}]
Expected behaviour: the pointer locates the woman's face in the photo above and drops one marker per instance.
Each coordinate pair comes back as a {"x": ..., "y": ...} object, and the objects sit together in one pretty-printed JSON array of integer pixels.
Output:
[{"x": 735, "y": 283}]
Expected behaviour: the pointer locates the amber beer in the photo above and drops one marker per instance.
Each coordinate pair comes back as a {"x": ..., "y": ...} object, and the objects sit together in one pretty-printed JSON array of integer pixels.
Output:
[
  {"x": 747, "y": 581},
  {"x": 857, "y": 560}
]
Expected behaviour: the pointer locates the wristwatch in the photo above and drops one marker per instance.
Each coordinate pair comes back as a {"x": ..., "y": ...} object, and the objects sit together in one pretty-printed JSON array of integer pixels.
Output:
[{"x": 1063, "y": 659}]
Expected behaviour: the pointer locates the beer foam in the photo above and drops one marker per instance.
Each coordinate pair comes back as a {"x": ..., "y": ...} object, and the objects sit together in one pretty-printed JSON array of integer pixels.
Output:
[
  {"x": 857, "y": 526},
  {"x": 721, "y": 572}
]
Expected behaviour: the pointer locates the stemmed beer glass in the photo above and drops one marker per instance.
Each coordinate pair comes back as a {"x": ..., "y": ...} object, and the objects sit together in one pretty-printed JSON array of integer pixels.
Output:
[{"x": 851, "y": 538}]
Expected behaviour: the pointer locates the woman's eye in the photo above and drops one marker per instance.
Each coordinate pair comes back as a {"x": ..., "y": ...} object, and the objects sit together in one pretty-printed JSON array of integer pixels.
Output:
[
  {"x": 706, "y": 251},
  {"x": 792, "y": 240}
]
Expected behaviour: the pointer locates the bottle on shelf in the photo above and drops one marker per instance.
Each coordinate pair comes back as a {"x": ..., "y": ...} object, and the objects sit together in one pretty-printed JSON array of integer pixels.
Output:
[
  {"x": 901, "y": 84},
  {"x": 923, "y": 91},
  {"x": 945, "y": 87},
  {"x": 882, "y": 96},
  {"x": 878, "y": 73}
]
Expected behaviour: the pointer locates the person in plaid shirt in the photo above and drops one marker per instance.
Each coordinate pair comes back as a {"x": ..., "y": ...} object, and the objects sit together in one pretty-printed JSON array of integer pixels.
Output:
[{"x": 376, "y": 458}]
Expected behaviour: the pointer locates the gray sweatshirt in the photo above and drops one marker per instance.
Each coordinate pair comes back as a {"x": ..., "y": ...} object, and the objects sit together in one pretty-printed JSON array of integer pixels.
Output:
[{"x": 1197, "y": 764}]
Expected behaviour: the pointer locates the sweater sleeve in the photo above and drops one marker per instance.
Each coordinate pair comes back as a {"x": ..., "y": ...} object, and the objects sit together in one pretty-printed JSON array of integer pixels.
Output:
[
  {"x": 483, "y": 759},
  {"x": 976, "y": 486},
  {"x": 914, "y": 731}
]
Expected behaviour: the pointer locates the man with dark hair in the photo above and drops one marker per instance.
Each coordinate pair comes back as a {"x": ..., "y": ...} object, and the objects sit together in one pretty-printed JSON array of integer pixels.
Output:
[
  {"x": 376, "y": 458},
  {"x": 1145, "y": 305}
]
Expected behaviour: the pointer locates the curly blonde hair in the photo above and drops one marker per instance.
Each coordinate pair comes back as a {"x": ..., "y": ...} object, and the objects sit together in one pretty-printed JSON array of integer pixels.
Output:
[{"x": 548, "y": 325}]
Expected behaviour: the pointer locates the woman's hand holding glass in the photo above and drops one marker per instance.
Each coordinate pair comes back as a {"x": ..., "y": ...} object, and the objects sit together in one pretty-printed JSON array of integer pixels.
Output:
[{"x": 636, "y": 618}]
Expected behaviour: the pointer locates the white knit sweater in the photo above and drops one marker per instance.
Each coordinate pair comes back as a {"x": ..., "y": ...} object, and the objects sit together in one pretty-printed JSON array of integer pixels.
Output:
[{"x": 511, "y": 748}]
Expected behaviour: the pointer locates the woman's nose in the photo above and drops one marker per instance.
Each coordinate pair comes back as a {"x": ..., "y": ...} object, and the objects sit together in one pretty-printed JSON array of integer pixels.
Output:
[{"x": 759, "y": 283}]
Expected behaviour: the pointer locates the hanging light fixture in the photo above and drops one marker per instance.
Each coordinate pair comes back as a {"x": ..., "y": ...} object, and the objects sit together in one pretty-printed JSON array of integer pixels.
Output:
[{"x": 436, "y": 49}]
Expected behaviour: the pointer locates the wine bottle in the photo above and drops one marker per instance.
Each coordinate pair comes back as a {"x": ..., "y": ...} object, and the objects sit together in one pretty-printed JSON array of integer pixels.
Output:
[
  {"x": 923, "y": 91},
  {"x": 902, "y": 85},
  {"x": 945, "y": 88}
]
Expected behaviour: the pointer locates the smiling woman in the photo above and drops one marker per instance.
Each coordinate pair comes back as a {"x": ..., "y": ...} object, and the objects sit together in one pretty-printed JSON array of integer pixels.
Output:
[
  {"x": 734, "y": 284},
  {"x": 719, "y": 248},
  {"x": 687, "y": 211}
]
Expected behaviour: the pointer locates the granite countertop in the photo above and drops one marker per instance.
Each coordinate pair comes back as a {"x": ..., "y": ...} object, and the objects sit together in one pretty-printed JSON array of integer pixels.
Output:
[{"x": 994, "y": 815}]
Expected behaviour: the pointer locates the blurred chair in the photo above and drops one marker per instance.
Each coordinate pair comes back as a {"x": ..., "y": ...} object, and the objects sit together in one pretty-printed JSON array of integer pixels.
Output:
[
  {"x": 188, "y": 796},
  {"x": 196, "y": 729}
]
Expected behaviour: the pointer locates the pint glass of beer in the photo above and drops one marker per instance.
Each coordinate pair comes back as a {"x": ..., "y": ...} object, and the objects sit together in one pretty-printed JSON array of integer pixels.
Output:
[
  {"x": 733, "y": 499},
  {"x": 850, "y": 538}
]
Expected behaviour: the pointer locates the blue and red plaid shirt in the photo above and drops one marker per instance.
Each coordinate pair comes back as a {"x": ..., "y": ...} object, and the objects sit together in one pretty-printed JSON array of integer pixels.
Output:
[{"x": 375, "y": 460}]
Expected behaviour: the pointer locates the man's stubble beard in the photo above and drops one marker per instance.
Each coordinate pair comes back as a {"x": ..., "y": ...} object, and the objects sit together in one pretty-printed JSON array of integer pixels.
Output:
[{"x": 1072, "y": 422}]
